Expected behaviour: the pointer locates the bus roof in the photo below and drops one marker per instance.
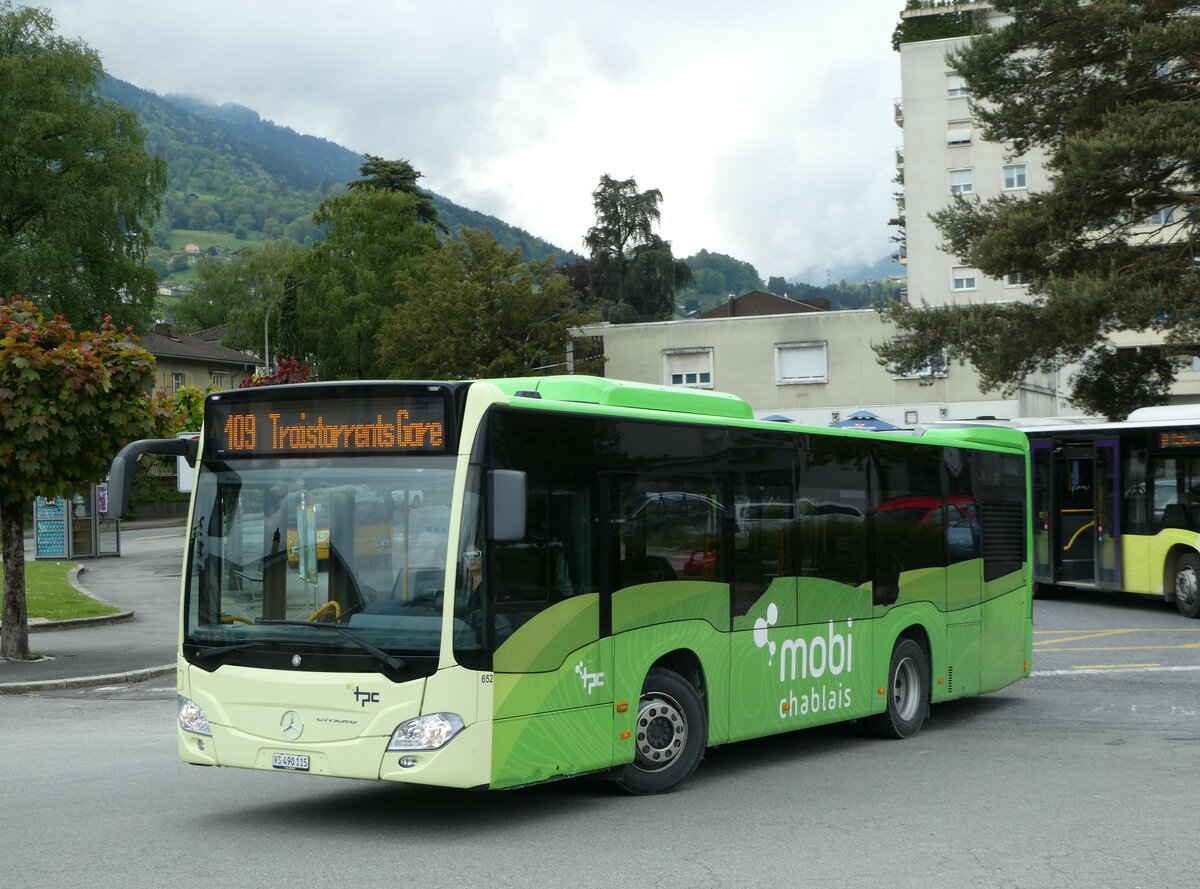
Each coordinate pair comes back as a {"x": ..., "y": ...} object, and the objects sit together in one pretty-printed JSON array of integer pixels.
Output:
[
  {"x": 620, "y": 393},
  {"x": 605, "y": 392}
]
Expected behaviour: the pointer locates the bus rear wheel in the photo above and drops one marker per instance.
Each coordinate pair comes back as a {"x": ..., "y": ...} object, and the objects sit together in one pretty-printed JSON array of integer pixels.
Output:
[
  {"x": 1187, "y": 585},
  {"x": 907, "y": 691},
  {"x": 669, "y": 737}
]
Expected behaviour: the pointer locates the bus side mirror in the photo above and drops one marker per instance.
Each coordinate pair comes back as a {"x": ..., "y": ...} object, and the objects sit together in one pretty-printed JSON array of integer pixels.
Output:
[
  {"x": 506, "y": 505},
  {"x": 120, "y": 474}
]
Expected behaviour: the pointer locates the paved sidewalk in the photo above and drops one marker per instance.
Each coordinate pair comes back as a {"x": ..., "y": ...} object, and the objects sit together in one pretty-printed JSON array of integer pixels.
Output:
[{"x": 139, "y": 644}]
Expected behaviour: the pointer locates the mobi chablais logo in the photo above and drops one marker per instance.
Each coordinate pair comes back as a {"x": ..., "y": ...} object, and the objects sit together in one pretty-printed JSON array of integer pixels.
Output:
[{"x": 817, "y": 660}]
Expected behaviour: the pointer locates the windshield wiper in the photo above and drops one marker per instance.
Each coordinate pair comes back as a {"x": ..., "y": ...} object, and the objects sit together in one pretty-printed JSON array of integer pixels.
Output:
[
  {"x": 221, "y": 649},
  {"x": 388, "y": 660}
]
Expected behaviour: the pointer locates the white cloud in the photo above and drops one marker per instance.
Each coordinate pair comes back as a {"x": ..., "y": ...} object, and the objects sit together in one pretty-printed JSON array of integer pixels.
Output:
[{"x": 767, "y": 126}]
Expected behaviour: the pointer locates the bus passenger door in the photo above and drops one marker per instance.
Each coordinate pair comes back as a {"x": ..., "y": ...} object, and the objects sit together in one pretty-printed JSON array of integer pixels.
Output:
[
  {"x": 1041, "y": 454},
  {"x": 1087, "y": 538},
  {"x": 1107, "y": 510},
  {"x": 1075, "y": 540}
]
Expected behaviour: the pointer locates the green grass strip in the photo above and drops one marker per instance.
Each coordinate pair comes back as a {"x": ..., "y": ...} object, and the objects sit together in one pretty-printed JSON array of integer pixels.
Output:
[{"x": 49, "y": 594}]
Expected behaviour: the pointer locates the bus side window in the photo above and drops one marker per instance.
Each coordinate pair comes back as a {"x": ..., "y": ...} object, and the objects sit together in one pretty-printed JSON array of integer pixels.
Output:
[
  {"x": 831, "y": 497},
  {"x": 762, "y": 468}
]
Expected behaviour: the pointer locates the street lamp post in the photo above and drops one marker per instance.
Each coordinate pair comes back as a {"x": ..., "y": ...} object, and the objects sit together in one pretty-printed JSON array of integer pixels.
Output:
[{"x": 267, "y": 320}]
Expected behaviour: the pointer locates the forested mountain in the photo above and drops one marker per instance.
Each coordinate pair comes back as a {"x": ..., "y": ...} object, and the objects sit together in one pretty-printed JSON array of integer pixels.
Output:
[
  {"x": 715, "y": 276},
  {"x": 231, "y": 173}
]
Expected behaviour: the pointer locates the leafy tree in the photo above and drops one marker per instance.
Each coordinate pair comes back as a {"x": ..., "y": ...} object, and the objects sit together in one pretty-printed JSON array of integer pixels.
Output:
[
  {"x": 78, "y": 190},
  {"x": 374, "y": 236},
  {"x": 779, "y": 286},
  {"x": 397, "y": 176},
  {"x": 579, "y": 274},
  {"x": 480, "y": 312},
  {"x": 186, "y": 406},
  {"x": 253, "y": 293},
  {"x": 632, "y": 268},
  {"x": 1108, "y": 90},
  {"x": 654, "y": 276},
  {"x": 68, "y": 402},
  {"x": 716, "y": 275},
  {"x": 221, "y": 290}
]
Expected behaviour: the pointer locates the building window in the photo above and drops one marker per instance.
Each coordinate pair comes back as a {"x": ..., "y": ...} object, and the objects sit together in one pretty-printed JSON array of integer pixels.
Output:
[
  {"x": 1163, "y": 216},
  {"x": 1016, "y": 279},
  {"x": 801, "y": 363},
  {"x": 962, "y": 278},
  {"x": 956, "y": 87},
  {"x": 220, "y": 380},
  {"x": 1014, "y": 176},
  {"x": 936, "y": 366},
  {"x": 958, "y": 132},
  {"x": 177, "y": 382},
  {"x": 688, "y": 367},
  {"x": 961, "y": 181}
]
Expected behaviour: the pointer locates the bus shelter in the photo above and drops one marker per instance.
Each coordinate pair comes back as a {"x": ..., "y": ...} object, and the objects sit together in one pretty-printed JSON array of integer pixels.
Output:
[{"x": 75, "y": 527}]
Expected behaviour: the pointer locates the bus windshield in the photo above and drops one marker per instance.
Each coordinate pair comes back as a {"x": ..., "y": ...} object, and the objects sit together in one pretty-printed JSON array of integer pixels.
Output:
[{"x": 279, "y": 547}]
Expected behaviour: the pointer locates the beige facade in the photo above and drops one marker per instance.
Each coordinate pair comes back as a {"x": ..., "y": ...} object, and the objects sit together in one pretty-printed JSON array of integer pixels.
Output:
[
  {"x": 185, "y": 360},
  {"x": 813, "y": 368},
  {"x": 171, "y": 374}
]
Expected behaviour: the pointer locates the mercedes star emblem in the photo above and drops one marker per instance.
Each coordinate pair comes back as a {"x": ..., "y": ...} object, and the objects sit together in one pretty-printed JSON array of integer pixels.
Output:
[{"x": 291, "y": 726}]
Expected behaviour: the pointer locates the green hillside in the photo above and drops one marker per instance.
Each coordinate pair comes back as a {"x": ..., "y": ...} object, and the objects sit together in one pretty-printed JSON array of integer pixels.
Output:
[{"x": 235, "y": 180}]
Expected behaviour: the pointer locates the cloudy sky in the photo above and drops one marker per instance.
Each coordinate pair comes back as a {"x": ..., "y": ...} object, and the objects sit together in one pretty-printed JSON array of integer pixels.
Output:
[{"x": 767, "y": 124}]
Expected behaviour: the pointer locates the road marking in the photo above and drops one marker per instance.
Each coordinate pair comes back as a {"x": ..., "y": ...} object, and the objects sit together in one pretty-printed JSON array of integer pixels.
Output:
[
  {"x": 159, "y": 536},
  {"x": 1058, "y": 643},
  {"x": 1095, "y": 671},
  {"x": 1125, "y": 630},
  {"x": 1186, "y": 646},
  {"x": 1111, "y": 666},
  {"x": 1080, "y": 636}
]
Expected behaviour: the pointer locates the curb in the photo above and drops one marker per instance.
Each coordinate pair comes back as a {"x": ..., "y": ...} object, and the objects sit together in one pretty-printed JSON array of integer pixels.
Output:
[
  {"x": 43, "y": 625},
  {"x": 40, "y": 625},
  {"x": 24, "y": 688}
]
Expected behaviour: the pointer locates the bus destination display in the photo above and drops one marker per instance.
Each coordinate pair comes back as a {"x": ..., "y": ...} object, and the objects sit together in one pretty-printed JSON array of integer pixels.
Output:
[
  {"x": 391, "y": 425},
  {"x": 1179, "y": 438}
]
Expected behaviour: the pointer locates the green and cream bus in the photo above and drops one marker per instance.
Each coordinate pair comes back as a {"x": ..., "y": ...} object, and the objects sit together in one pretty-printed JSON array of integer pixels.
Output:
[{"x": 571, "y": 582}]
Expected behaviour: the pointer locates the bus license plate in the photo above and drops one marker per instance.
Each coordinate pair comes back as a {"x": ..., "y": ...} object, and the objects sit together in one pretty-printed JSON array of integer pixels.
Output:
[{"x": 290, "y": 761}]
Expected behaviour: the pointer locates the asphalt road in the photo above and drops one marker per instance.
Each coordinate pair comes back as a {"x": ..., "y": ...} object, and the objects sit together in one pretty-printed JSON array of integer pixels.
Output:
[{"x": 1081, "y": 776}]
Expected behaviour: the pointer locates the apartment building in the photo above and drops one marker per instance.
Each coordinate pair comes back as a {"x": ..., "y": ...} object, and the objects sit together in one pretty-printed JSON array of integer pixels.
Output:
[
  {"x": 944, "y": 155},
  {"x": 816, "y": 367}
]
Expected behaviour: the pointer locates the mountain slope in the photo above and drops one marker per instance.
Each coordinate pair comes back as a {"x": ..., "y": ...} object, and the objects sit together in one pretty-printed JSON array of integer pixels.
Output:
[{"x": 230, "y": 172}]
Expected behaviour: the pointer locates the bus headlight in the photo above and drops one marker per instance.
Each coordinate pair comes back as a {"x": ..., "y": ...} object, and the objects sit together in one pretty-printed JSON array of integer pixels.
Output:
[
  {"x": 426, "y": 732},
  {"x": 192, "y": 718}
]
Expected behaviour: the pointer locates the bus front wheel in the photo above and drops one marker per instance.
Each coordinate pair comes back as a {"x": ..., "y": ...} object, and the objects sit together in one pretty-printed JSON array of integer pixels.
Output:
[
  {"x": 907, "y": 691},
  {"x": 669, "y": 737},
  {"x": 1187, "y": 585}
]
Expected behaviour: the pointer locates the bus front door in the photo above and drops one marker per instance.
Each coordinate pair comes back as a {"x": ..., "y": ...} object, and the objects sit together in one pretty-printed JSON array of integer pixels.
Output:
[{"x": 1087, "y": 532}]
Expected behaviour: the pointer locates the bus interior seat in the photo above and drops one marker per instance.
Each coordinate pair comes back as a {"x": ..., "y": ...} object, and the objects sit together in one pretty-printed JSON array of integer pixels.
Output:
[
  {"x": 1175, "y": 516},
  {"x": 644, "y": 569}
]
